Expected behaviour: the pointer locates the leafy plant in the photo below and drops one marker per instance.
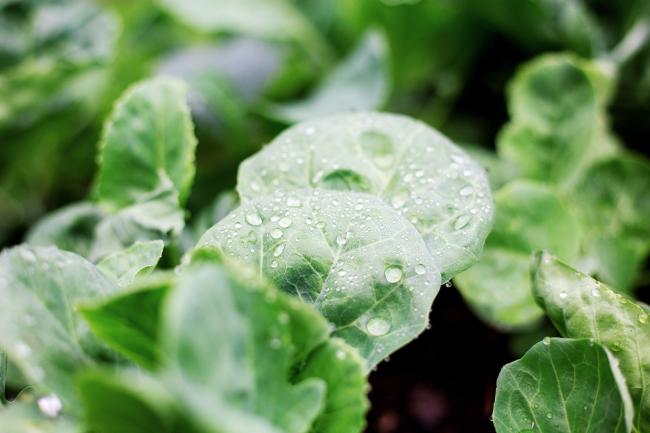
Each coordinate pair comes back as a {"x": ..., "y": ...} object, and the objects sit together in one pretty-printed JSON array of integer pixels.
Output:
[{"x": 214, "y": 346}]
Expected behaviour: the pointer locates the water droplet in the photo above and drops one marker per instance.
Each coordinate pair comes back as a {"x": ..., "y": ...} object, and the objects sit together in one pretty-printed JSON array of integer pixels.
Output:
[
  {"x": 378, "y": 326},
  {"x": 276, "y": 233},
  {"x": 255, "y": 186},
  {"x": 393, "y": 274},
  {"x": 461, "y": 222},
  {"x": 340, "y": 354},
  {"x": 549, "y": 415},
  {"x": 293, "y": 202},
  {"x": 399, "y": 199},
  {"x": 466, "y": 191},
  {"x": 274, "y": 264},
  {"x": 420, "y": 269},
  {"x": 595, "y": 293},
  {"x": 284, "y": 222},
  {"x": 342, "y": 239},
  {"x": 23, "y": 350},
  {"x": 546, "y": 341},
  {"x": 563, "y": 295},
  {"x": 643, "y": 318},
  {"x": 278, "y": 250},
  {"x": 253, "y": 219},
  {"x": 50, "y": 405},
  {"x": 342, "y": 273},
  {"x": 237, "y": 225}
]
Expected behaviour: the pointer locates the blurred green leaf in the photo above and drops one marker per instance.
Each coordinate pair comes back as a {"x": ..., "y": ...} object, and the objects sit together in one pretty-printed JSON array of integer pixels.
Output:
[
  {"x": 42, "y": 332},
  {"x": 529, "y": 217},
  {"x": 147, "y": 141},
  {"x": 359, "y": 82},
  {"x": 123, "y": 266}
]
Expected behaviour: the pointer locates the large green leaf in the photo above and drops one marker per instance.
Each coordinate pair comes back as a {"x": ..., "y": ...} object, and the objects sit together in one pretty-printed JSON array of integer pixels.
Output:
[
  {"x": 148, "y": 141},
  {"x": 41, "y": 331},
  {"x": 529, "y": 216},
  {"x": 420, "y": 173},
  {"x": 613, "y": 204},
  {"x": 581, "y": 307},
  {"x": 360, "y": 263},
  {"x": 123, "y": 266},
  {"x": 360, "y": 82},
  {"x": 563, "y": 386},
  {"x": 557, "y": 103}
]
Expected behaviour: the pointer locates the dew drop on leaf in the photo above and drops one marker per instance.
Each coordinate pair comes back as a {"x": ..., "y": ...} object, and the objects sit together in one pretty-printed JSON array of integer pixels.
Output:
[
  {"x": 284, "y": 222},
  {"x": 393, "y": 274},
  {"x": 378, "y": 326},
  {"x": 276, "y": 233},
  {"x": 253, "y": 219},
  {"x": 420, "y": 269},
  {"x": 461, "y": 222},
  {"x": 278, "y": 250}
]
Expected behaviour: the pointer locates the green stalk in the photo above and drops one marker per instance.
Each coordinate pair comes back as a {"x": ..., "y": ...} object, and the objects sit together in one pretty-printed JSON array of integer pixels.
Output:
[{"x": 633, "y": 41}]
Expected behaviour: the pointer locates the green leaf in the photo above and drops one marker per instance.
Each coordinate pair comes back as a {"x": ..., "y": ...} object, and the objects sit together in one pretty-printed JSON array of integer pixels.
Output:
[
  {"x": 123, "y": 266},
  {"x": 25, "y": 417},
  {"x": 128, "y": 402},
  {"x": 557, "y": 103},
  {"x": 41, "y": 330},
  {"x": 243, "y": 372},
  {"x": 130, "y": 322},
  {"x": 529, "y": 216},
  {"x": 342, "y": 369},
  {"x": 359, "y": 82},
  {"x": 273, "y": 19},
  {"x": 71, "y": 228},
  {"x": 157, "y": 216},
  {"x": 612, "y": 202},
  {"x": 55, "y": 44},
  {"x": 361, "y": 264},
  {"x": 148, "y": 141},
  {"x": 421, "y": 174},
  {"x": 581, "y": 307},
  {"x": 563, "y": 386}
]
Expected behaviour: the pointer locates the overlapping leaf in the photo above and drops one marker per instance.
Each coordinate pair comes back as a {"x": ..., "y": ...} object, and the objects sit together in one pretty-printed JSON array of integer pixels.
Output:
[
  {"x": 421, "y": 174},
  {"x": 360, "y": 263},
  {"x": 581, "y": 307}
]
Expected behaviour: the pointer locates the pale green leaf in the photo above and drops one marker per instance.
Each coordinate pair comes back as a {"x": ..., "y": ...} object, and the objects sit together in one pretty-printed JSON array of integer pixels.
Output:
[
  {"x": 420, "y": 173},
  {"x": 148, "y": 141},
  {"x": 557, "y": 104},
  {"x": 157, "y": 216},
  {"x": 123, "y": 266},
  {"x": 529, "y": 216},
  {"x": 41, "y": 331},
  {"x": 613, "y": 204},
  {"x": 581, "y": 307},
  {"x": 71, "y": 228},
  {"x": 360, "y": 82},
  {"x": 359, "y": 262},
  {"x": 563, "y": 386}
]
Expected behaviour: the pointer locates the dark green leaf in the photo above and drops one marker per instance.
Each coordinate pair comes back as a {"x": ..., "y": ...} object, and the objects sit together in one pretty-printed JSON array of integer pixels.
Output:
[
  {"x": 563, "y": 386},
  {"x": 581, "y": 307}
]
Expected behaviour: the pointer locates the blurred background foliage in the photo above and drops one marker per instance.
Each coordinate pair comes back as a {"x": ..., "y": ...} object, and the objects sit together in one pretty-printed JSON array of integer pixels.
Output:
[{"x": 254, "y": 66}]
